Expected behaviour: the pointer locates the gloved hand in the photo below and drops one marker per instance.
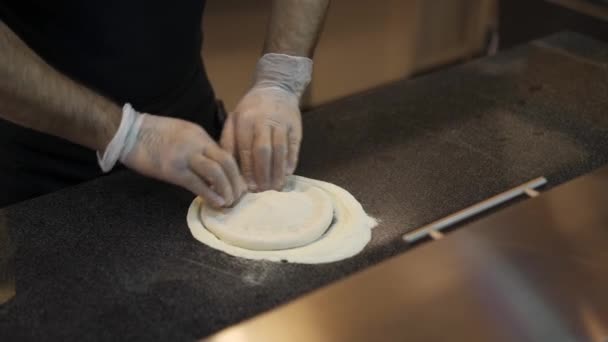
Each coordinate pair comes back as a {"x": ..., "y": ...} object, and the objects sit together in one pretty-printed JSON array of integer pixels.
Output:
[
  {"x": 265, "y": 129},
  {"x": 178, "y": 152}
]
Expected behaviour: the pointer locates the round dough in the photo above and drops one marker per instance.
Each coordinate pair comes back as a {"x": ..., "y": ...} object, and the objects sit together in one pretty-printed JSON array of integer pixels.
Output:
[
  {"x": 273, "y": 220},
  {"x": 348, "y": 234}
]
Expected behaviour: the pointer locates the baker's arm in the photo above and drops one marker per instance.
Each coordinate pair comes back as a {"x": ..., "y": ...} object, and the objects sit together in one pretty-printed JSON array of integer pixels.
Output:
[
  {"x": 265, "y": 129},
  {"x": 34, "y": 95},
  {"x": 295, "y": 26}
]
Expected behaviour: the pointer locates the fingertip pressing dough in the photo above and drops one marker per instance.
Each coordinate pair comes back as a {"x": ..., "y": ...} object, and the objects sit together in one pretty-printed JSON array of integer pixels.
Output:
[{"x": 309, "y": 222}]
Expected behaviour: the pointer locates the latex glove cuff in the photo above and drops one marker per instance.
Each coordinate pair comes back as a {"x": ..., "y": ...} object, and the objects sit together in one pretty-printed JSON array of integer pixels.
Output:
[
  {"x": 123, "y": 140},
  {"x": 290, "y": 73}
]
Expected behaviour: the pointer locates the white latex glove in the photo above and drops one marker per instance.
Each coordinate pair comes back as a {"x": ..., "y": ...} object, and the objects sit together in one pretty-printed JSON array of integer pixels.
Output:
[
  {"x": 178, "y": 152},
  {"x": 265, "y": 129}
]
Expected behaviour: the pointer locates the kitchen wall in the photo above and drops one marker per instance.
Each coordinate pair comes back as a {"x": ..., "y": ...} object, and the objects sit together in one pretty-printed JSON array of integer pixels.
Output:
[{"x": 364, "y": 43}]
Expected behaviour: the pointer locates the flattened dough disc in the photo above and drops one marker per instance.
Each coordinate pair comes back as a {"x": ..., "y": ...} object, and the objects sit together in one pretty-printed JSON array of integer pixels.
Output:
[{"x": 273, "y": 220}]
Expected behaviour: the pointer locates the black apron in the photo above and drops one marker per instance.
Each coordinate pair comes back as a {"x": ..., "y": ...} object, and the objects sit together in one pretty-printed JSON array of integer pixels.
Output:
[{"x": 146, "y": 52}]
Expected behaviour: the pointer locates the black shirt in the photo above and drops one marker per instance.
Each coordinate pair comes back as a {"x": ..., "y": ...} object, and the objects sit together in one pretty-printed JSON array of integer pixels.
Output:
[
  {"x": 146, "y": 52},
  {"x": 141, "y": 51}
]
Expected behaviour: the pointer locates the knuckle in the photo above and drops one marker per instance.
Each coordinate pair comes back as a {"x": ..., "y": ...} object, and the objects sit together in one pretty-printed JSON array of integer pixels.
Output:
[
  {"x": 226, "y": 160},
  {"x": 245, "y": 154},
  {"x": 274, "y": 123},
  {"x": 263, "y": 149},
  {"x": 230, "y": 169},
  {"x": 173, "y": 166},
  {"x": 204, "y": 149},
  {"x": 245, "y": 117},
  {"x": 215, "y": 171},
  {"x": 294, "y": 149},
  {"x": 280, "y": 149}
]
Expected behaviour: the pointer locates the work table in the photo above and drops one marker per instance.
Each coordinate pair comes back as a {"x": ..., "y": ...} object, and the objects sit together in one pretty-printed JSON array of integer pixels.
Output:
[{"x": 114, "y": 258}]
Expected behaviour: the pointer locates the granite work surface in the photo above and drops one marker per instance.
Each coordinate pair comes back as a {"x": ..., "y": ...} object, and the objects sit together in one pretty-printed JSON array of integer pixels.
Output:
[{"x": 114, "y": 259}]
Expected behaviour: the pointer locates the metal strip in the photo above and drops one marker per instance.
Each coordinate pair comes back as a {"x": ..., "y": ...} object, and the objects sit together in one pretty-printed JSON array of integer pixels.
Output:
[{"x": 473, "y": 210}]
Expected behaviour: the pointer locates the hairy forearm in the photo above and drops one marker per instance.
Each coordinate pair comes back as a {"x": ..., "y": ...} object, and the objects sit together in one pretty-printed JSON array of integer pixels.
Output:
[
  {"x": 294, "y": 26},
  {"x": 34, "y": 95}
]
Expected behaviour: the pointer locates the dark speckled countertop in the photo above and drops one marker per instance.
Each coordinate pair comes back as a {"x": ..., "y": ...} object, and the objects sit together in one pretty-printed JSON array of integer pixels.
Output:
[{"x": 113, "y": 259}]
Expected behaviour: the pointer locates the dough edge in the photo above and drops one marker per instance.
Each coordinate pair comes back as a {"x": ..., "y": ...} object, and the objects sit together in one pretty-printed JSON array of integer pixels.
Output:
[{"x": 345, "y": 239}]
